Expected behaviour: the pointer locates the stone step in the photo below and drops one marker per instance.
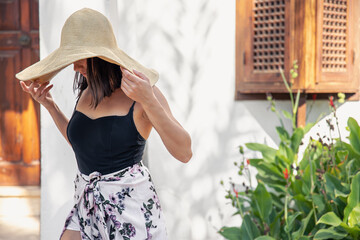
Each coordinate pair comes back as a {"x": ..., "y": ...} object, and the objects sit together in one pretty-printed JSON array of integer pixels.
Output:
[
  {"x": 19, "y": 201},
  {"x": 19, "y": 228}
]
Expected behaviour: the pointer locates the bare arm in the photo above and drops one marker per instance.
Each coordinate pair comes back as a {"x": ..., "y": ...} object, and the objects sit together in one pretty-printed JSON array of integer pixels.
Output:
[
  {"x": 175, "y": 138},
  {"x": 61, "y": 121},
  {"x": 40, "y": 92}
]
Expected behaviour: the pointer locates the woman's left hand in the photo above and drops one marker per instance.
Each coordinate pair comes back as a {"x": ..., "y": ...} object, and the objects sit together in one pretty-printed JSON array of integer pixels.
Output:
[{"x": 136, "y": 86}]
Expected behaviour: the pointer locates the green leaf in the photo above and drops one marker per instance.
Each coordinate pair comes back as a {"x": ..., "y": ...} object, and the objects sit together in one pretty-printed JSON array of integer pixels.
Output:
[
  {"x": 329, "y": 233},
  {"x": 291, "y": 221},
  {"x": 332, "y": 183},
  {"x": 265, "y": 238},
  {"x": 354, "y": 216},
  {"x": 275, "y": 223},
  {"x": 330, "y": 218},
  {"x": 354, "y": 134},
  {"x": 352, "y": 153},
  {"x": 287, "y": 114},
  {"x": 340, "y": 194},
  {"x": 285, "y": 154},
  {"x": 319, "y": 202},
  {"x": 254, "y": 161},
  {"x": 280, "y": 188},
  {"x": 277, "y": 202},
  {"x": 304, "y": 223},
  {"x": 296, "y": 139},
  {"x": 283, "y": 134},
  {"x": 306, "y": 178},
  {"x": 262, "y": 202},
  {"x": 231, "y": 233},
  {"x": 352, "y": 167},
  {"x": 302, "y": 203},
  {"x": 269, "y": 179},
  {"x": 269, "y": 168},
  {"x": 267, "y": 152},
  {"x": 353, "y": 231},
  {"x": 248, "y": 229},
  {"x": 342, "y": 155},
  {"x": 354, "y": 197}
]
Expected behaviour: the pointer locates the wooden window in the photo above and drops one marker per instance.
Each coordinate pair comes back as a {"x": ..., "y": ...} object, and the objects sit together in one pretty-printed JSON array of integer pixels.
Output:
[
  {"x": 262, "y": 34},
  {"x": 320, "y": 34},
  {"x": 334, "y": 44}
]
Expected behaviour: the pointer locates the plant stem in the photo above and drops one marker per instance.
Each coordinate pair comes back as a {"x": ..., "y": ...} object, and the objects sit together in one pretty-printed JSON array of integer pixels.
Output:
[
  {"x": 291, "y": 98},
  {"x": 312, "y": 186},
  {"x": 286, "y": 213},
  {"x": 239, "y": 206},
  {"x": 337, "y": 125},
  {"x": 287, "y": 87},
  {"x": 279, "y": 116}
]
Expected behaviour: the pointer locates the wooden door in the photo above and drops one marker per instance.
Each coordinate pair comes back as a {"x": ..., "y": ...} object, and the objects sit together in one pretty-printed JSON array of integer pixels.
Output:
[{"x": 19, "y": 113}]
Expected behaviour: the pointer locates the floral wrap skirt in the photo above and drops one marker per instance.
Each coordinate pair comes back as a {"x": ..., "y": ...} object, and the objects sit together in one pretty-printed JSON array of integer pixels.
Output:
[{"x": 120, "y": 205}]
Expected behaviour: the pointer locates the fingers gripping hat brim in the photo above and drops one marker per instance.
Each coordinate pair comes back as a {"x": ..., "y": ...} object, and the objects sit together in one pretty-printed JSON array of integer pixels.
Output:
[{"x": 76, "y": 45}]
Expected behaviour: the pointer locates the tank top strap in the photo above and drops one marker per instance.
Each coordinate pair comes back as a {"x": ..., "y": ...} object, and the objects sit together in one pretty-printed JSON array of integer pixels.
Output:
[
  {"x": 77, "y": 101},
  {"x": 132, "y": 106}
]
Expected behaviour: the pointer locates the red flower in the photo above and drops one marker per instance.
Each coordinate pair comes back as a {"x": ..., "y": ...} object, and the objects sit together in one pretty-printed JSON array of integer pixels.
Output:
[
  {"x": 248, "y": 161},
  {"x": 286, "y": 174},
  {"x": 314, "y": 97},
  {"x": 236, "y": 193},
  {"x": 331, "y": 102}
]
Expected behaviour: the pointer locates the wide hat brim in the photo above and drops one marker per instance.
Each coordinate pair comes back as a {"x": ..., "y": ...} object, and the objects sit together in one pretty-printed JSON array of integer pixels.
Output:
[{"x": 62, "y": 57}]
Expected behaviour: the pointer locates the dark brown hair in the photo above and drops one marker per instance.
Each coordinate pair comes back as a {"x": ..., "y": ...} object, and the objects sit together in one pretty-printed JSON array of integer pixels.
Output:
[{"x": 103, "y": 79}]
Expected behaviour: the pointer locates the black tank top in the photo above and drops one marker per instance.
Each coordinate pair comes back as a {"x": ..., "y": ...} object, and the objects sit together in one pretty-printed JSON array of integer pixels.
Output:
[{"x": 105, "y": 144}]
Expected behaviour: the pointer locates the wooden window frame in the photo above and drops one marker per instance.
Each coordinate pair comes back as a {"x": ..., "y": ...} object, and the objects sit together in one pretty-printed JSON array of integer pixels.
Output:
[
  {"x": 247, "y": 80},
  {"x": 304, "y": 43}
]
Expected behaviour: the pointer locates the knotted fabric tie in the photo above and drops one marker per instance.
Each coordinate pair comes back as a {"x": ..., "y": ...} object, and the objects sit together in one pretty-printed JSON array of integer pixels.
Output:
[{"x": 93, "y": 203}]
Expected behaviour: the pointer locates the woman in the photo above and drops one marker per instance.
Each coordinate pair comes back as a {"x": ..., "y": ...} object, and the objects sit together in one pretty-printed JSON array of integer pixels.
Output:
[{"x": 114, "y": 114}]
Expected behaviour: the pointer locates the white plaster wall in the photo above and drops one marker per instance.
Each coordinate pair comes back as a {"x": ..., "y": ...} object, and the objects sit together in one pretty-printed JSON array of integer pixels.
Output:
[{"x": 192, "y": 45}]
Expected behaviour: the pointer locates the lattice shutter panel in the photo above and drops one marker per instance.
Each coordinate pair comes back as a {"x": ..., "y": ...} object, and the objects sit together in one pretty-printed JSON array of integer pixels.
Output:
[
  {"x": 335, "y": 48},
  {"x": 334, "y": 36},
  {"x": 263, "y": 40},
  {"x": 268, "y": 36}
]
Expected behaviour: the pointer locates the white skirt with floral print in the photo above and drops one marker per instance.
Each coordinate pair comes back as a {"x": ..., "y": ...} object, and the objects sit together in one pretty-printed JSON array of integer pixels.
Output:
[{"x": 122, "y": 205}]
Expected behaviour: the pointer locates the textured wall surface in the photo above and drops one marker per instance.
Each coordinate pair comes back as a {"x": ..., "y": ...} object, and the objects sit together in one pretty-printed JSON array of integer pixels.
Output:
[{"x": 192, "y": 45}]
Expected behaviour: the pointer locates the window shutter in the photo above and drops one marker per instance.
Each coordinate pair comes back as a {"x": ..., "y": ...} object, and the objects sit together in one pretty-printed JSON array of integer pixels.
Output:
[
  {"x": 263, "y": 44},
  {"x": 334, "y": 47},
  {"x": 321, "y": 34}
]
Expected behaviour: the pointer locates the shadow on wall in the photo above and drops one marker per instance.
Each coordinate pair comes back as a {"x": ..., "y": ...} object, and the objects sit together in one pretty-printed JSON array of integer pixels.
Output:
[{"x": 260, "y": 110}]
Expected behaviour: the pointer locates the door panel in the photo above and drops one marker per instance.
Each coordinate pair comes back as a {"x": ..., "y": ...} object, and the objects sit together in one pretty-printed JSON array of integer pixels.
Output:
[{"x": 19, "y": 113}]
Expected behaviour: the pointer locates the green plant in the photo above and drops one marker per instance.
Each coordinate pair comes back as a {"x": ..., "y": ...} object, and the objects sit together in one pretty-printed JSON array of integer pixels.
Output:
[{"x": 315, "y": 197}]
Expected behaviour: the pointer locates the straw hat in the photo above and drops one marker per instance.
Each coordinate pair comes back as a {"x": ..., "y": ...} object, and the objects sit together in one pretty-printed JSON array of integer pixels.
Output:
[{"x": 85, "y": 34}]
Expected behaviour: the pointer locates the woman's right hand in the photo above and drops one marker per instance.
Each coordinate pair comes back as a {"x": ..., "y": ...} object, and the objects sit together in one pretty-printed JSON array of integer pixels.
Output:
[{"x": 40, "y": 92}]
